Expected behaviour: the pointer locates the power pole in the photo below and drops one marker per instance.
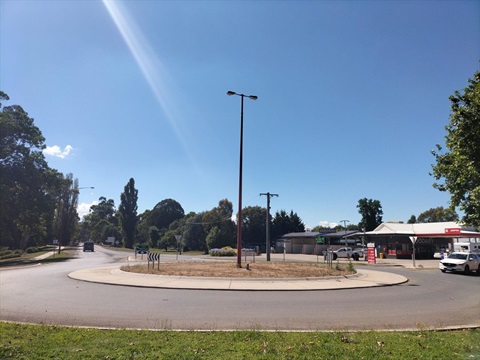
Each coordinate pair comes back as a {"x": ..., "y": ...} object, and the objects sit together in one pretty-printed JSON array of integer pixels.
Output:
[
  {"x": 268, "y": 244},
  {"x": 345, "y": 226}
]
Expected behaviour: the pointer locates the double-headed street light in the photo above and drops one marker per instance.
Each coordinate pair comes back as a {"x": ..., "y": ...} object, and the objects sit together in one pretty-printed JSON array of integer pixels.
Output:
[{"x": 239, "y": 219}]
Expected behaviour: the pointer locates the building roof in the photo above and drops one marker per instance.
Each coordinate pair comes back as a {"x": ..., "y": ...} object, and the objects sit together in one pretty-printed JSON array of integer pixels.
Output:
[
  {"x": 305, "y": 234},
  {"x": 439, "y": 229},
  {"x": 342, "y": 234}
]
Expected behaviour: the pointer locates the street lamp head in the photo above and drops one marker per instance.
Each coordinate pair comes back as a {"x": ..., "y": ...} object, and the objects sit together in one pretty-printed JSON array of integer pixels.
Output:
[
  {"x": 230, "y": 93},
  {"x": 253, "y": 97}
]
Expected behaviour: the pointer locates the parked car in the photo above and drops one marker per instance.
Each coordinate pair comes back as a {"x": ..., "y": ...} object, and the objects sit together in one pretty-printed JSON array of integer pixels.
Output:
[
  {"x": 347, "y": 252},
  {"x": 440, "y": 254},
  {"x": 461, "y": 262}
]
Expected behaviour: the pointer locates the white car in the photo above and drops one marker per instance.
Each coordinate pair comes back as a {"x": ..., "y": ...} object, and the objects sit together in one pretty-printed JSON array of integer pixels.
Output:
[
  {"x": 347, "y": 252},
  {"x": 462, "y": 262}
]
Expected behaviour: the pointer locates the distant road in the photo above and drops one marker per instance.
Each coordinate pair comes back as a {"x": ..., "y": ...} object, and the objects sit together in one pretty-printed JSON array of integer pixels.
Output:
[{"x": 44, "y": 294}]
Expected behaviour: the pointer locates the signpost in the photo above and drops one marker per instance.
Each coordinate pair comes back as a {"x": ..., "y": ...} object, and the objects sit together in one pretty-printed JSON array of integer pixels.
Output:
[
  {"x": 141, "y": 249},
  {"x": 152, "y": 257},
  {"x": 414, "y": 240},
  {"x": 178, "y": 237}
]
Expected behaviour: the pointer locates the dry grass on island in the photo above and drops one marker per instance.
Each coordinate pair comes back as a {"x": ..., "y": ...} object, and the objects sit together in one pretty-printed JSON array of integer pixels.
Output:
[{"x": 256, "y": 270}]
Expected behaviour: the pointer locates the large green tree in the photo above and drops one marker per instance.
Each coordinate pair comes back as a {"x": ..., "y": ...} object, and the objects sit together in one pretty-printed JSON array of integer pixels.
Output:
[
  {"x": 66, "y": 216},
  {"x": 457, "y": 169},
  {"x": 128, "y": 213},
  {"x": 219, "y": 220},
  {"x": 28, "y": 186},
  {"x": 100, "y": 216},
  {"x": 194, "y": 236},
  {"x": 284, "y": 223},
  {"x": 438, "y": 214},
  {"x": 253, "y": 226},
  {"x": 371, "y": 212},
  {"x": 164, "y": 213}
]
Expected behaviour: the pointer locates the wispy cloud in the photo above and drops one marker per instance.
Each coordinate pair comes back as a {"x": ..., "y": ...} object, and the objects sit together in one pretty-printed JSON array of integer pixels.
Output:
[{"x": 56, "y": 151}]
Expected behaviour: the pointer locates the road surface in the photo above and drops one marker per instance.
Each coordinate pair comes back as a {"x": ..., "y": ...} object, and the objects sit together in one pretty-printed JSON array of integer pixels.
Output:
[{"x": 44, "y": 294}]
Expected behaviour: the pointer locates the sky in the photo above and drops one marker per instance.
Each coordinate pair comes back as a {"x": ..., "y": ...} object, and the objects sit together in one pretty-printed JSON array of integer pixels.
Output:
[{"x": 352, "y": 98}]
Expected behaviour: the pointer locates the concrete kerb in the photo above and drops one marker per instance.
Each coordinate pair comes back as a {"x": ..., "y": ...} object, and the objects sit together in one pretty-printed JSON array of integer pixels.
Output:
[{"x": 115, "y": 276}]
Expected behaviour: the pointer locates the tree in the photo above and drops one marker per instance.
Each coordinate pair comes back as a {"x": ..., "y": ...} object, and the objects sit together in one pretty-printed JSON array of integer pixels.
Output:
[
  {"x": 128, "y": 213},
  {"x": 66, "y": 216},
  {"x": 412, "y": 220},
  {"x": 253, "y": 226},
  {"x": 194, "y": 233},
  {"x": 283, "y": 223},
  {"x": 220, "y": 217},
  {"x": 459, "y": 166},
  {"x": 164, "y": 213},
  {"x": 438, "y": 214},
  {"x": 216, "y": 238},
  {"x": 154, "y": 236},
  {"x": 28, "y": 186},
  {"x": 100, "y": 216},
  {"x": 104, "y": 210},
  {"x": 371, "y": 211},
  {"x": 296, "y": 223}
]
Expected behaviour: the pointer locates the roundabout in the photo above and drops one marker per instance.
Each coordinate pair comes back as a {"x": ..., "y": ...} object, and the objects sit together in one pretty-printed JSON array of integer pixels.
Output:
[{"x": 115, "y": 276}]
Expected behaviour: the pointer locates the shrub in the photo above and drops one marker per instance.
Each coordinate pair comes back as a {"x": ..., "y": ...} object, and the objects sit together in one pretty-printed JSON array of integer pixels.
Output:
[
  {"x": 8, "y": 254},
  {"x": 31, "y": 250},
  {"x": 222, "y": 252},
  {"x": 350, "y": 267}
]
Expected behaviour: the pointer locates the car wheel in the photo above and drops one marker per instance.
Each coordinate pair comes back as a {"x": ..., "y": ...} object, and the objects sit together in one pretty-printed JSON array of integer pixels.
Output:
[
  {"x": 443, "y": 270},
  {"x": 334, "y": 257},
  {"x": 466, "y": 270}
]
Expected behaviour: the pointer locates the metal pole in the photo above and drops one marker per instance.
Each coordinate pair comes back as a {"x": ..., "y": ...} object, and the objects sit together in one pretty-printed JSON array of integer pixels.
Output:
[
  {"x": 267, "y": 235},
  {"x": 413, "y": 239},
  {"x": 345, "y": 236},
  {"x": 239, "y": 220}
]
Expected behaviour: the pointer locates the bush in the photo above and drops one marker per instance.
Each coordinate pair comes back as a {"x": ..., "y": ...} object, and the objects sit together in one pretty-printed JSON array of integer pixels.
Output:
[
  {"x": 222, "y": 252},
  {"x": 31, "y": 250},
  {"x": 350, "y": 266},
  {"x": 8, "y": 254}
]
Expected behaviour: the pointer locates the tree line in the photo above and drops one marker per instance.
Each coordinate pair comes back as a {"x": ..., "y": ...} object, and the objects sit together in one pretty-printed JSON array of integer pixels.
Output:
[
  {"x": 38, "y": 204},
  {"x": 158, "y": 227}
]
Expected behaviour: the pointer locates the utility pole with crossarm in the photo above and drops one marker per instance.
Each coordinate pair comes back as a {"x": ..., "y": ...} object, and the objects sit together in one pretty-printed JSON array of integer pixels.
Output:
[{"x": 268, "y": 244}]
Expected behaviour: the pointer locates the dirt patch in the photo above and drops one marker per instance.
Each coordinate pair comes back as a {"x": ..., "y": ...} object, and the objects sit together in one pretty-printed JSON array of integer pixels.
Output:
[{"x": 230, "y": 270}]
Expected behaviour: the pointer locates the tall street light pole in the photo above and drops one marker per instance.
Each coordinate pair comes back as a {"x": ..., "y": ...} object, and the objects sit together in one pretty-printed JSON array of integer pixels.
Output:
[{"x": 239, "y": 218}]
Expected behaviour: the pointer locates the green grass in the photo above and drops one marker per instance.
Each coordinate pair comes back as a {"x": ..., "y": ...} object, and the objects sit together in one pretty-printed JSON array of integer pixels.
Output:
[
  {"x": 28, "y": 259},
  {"x": 18, "y": 341}
]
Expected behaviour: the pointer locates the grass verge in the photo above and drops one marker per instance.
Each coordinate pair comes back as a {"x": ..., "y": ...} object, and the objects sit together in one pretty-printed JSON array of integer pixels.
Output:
[
  {"x": 19, "y": 341},
  {"x": 28, "y": 259}
]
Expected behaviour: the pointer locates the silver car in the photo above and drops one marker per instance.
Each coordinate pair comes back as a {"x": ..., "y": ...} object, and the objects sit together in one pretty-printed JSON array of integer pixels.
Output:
[{"x": 461, "y": 262}]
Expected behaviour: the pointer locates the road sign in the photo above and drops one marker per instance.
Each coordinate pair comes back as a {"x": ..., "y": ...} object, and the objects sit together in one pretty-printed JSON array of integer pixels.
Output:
[{"x": 141, "y": 249}]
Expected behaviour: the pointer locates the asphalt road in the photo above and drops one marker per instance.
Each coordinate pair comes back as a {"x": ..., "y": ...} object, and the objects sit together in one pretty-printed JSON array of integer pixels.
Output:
[{"x": 44, "y": 294}]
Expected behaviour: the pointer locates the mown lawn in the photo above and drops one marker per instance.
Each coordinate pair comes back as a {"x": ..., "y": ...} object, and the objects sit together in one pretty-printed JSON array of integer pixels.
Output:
[{"x": 19, "y": 341}]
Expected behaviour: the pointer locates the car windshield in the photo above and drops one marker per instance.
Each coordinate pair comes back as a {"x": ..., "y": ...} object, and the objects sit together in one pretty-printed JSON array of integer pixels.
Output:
[{"x": 457, "y": 256}]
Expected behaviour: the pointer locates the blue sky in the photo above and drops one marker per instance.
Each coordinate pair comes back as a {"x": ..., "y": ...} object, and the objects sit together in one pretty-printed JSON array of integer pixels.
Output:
[{"x": 352, "y": 97}]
